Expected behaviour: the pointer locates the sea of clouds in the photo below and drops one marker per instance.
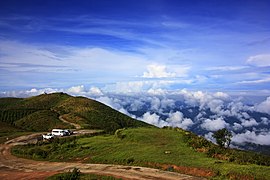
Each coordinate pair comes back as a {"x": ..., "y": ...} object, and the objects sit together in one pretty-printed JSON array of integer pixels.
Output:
[{"x": 200, "y": 112}]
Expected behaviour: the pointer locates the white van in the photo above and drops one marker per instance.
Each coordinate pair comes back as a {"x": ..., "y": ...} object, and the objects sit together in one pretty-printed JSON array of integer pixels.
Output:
[{"x": 58, "y": 132}]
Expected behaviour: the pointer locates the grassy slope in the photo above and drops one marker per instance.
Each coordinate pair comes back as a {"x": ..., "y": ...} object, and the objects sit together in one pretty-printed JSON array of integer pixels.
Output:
[
  {"x": 95, "y": 115},
  {"x": 41, "y": 113},
  {"x": 8, "y": 132},
  {"x": 144, "y": 147},
  {"x": 43, "y": 120}
]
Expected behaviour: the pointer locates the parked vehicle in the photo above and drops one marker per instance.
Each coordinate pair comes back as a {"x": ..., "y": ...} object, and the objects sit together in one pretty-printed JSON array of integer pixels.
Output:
[
  {"x": 58, "y": 132},
  {"x": 48, "y": 136},
  {"x": 68, "y": 132}
]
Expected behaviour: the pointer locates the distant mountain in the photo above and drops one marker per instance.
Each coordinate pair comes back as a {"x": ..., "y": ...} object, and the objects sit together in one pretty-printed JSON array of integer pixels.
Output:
[{"x": 41, "y": 113}]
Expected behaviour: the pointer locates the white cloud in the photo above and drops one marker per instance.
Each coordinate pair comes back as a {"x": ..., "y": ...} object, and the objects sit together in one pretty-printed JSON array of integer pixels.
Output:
[
  {"x": 95, "y": 91},
  {"x": 131, "y": 87},
  {"x": 163, "y": 71},
  {"x": 21, "y": 53},
  {"x": 23, "y": 57},
  {"x": 264, "y": 106},
  {"x": 226, "y": 68},
  {"x": 136, "y": 105},
  {"x": 245, "y": 115},
  {"x": 214, "y": 125},
  {"x": 214, "y": 101},
  {"x": 128, "y": 87},
  {"x": 258, "y": 81},
  {"x": 112, "y": 102},
  {"x": 177, "y": 119},
  {"x": 260, "y": 60},
  {"x": 221, "y": 95},
  {"x": 76, "y": 89},
  {"x": 158, "y": 91},
  {"x": 157, "y": 71},
  {"x": 250, "y": 136},
  {"x": 177, "y": 25},
  {"x": 237, "y": 126},
  {"x": 105, "y": 60},
  {"x": 155, "y": 104},
  {"x": 249, "y": 123},
  {"x": 265, "y": 120},
  {"x": 215, "y": 105},
  {"x": 28, "y": 93},
  {"x": 167, "y": 103},
  {"x": 209, "y": 136},
  {"x": 153, "y": 119}
]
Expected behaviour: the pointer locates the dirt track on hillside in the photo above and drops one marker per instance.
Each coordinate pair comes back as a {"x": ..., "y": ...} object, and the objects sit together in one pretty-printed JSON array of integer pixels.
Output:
[
  {"x": 12, "y": 167},
  {"x": 77, "y": 126}
]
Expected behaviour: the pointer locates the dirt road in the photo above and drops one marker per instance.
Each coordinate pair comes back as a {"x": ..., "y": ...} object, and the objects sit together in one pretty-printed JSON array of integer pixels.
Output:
[
  {"x": 77, "y": 126},
  {"x": 12, "y": 167}
]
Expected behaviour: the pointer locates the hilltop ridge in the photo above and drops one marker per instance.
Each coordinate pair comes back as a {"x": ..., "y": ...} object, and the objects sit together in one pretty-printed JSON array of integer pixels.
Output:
[{"x": 42, "y": 112}]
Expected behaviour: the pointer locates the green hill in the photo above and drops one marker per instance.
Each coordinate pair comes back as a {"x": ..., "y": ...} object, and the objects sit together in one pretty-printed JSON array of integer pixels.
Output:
[
  {"x": 43, "y": 120},
  {"x": 170, "y": 149},
  {"x": 41, "y": 113}
]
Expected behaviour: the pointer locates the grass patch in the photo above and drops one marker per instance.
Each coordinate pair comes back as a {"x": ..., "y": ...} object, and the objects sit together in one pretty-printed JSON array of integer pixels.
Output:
[{"x": 159, "y": 148}]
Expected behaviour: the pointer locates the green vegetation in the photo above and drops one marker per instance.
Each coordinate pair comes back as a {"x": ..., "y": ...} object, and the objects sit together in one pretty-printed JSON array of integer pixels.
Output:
[
  {"x": 41, "y": 113},
  {"x": 43, "y": 120},
  {"x": 10, "y": 116},
  {"x": 8, "y": 132},
  {"x": 232, "y": 155},
  {"x": 223, "y": 137},
  {"x": 170, "y": 149},
  {"x": 94, "y": 115},
  {"x": 140, "y": 144},
  {"x": 77, "y": 175},
  {"x": 31, "y": 114}
]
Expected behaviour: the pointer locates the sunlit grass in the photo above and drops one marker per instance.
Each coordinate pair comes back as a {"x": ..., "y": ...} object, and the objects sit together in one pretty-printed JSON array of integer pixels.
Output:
[{"x": 146, "y": 147}]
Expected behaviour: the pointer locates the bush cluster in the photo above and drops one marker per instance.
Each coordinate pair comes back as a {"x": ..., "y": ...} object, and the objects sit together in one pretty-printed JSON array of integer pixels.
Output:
[{"x": 71, "y": 175}]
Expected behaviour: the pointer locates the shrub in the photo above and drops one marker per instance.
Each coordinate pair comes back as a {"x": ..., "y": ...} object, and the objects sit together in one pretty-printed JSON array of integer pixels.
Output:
[
  {"x": 223, "y": 137},
  {"x": 130, "y": 160},
  {"x": 40, "y": 153},
  {"x": 74, "y": 175}
]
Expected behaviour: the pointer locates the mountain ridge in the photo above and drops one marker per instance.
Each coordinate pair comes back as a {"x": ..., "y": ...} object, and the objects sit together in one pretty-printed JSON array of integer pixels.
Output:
[{"x": 47, "y": 108}]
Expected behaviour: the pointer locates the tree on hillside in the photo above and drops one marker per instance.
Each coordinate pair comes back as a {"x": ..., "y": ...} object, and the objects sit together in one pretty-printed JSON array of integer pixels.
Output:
[{"x": 223, "y": 137}]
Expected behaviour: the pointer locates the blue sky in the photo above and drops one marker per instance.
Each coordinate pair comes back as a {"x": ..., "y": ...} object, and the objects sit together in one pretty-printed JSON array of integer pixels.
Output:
[{"x": 136, "y": 46}]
